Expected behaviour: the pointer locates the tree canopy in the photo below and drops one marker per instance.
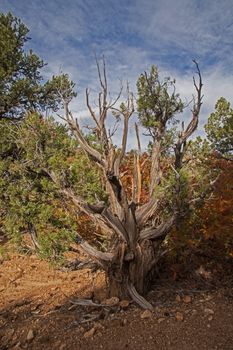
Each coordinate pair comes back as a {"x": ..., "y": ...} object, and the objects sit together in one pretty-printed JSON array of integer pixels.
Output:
[
  {"x": 21, "y": 85},
  {"x": 219, "y": 128},
  {"x": 29, "y": 200}
]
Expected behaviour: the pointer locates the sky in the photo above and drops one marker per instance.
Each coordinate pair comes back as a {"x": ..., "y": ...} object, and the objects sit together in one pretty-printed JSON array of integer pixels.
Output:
[{"x": 133, "y": 35}]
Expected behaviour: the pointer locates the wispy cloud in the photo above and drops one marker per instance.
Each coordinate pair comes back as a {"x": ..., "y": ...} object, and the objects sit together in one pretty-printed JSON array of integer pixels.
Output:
[{"x": 133, "y": 35}]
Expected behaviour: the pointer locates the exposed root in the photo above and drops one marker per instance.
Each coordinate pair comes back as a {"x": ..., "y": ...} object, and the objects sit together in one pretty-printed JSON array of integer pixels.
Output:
[{"x": 138, "y": 298}]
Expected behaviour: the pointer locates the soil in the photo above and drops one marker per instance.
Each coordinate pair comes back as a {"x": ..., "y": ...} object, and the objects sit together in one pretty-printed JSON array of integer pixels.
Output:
[{"x": 38, "y": 310}]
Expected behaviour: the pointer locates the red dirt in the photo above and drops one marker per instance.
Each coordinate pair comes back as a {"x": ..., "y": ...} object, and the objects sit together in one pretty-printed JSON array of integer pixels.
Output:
[{"x": 36, "y": 299}]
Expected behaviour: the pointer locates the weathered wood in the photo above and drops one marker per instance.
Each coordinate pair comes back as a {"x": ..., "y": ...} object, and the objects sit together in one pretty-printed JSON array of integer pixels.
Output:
[{"x": 135, "y": 238}]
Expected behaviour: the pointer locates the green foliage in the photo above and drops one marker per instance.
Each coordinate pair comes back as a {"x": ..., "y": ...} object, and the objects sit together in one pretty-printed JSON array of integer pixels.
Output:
[
  {"x": 194, "y": 179},
  {"x": 57, "y": 89},
  {"x": 28, "y": 197},
  {"x": 21, "y": 87},
  {"x": 3, "y": 253},
  {"x": 157, "y": 103},
  {"x": 167, "y": 142},
  {"x": 52, "y": 246},
  {"x": 219, "y": 127}
]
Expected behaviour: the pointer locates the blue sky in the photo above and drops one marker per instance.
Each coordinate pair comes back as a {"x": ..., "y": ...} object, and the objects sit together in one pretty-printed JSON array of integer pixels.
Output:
[{"x": 133, "y": 35}]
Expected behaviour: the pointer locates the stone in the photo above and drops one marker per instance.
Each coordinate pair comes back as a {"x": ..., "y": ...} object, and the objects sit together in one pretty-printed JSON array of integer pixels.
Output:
[
  {"x": 187, "y": 299},
  {"x": 178, "y": 298},
  {"x": 114, "y": 301},
  {"x": 100, "y": 288},
  {"x": 62, "y": 347},
  {"x": 124, "y": 304},
  {"x": 146, "y": 314},
  {"x": 30, "y": 335},
  {"x": 179, "y": 316},
  {"x": 90, "y": 333},
  {"x": 208, "y": 311},
  {"x": 11, "y": 332},
  {"x": 204, "y": 273},
  {"x": 161, "y": 319},
  {"x": 98, "y": 326},
  {"x": 88, "y": 294},
  {"x": 44, "y": 339},
  {"x": 124, "y": 322},
  {"x": 81, "y": 329}
]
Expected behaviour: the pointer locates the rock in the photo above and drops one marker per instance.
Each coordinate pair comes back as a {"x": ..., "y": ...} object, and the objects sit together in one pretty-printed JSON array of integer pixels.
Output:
[
  {"x": 44, "y": 339},
  {"x": 88, "y": 294},
  {"x": 114, "y": 301},
  {"x": 62, "y": 347},
  {"x": 187, "y": 299},
  {"x": 2, "y": 322},
  {"x": 30, "y": 335},
  {"x": 11, "y": 332},
  {"x": 161, "y": 319},
  {"x": 146, "y": 314},
  {"x": 124, "y": 304},
  {"x": 33, "y": 257},
  {"x": 98, "y": 326},
  {"x": 179, "y": 316},
  {"x": 178, "y": 298},
  {"x": 100, "y": 287},
  {"x": 202, "y": 272},
  {"x": 81, "y": 329},
  {"x": 89, "y": 333},
  {"x": 210, "y": 318},
  {"x": 124, "y": 322},
  {"x": 208, "y": 311}
]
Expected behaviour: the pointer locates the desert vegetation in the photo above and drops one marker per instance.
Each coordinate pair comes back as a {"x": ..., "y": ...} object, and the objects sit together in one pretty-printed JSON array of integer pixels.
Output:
[{"x": 69, "y": 188}]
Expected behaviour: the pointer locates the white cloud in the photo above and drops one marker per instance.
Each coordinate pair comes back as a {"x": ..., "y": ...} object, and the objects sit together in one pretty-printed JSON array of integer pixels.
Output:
[{"x": 132, "y": 36}]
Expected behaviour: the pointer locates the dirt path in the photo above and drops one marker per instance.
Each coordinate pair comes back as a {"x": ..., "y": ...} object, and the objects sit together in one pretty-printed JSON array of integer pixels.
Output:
[{"x": 36, "y": 313}]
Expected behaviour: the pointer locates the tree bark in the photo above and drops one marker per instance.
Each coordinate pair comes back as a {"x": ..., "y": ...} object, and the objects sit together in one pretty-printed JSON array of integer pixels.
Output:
[{"x": 134, "y": 268}]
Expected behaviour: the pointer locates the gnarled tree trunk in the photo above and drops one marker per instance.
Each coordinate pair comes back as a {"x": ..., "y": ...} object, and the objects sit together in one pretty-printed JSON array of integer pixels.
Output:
[{"x": 136, "y": 238}]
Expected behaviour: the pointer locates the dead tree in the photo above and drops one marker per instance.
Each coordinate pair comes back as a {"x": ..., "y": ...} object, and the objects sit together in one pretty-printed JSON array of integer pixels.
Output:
[{"x": 136, "y": 240}]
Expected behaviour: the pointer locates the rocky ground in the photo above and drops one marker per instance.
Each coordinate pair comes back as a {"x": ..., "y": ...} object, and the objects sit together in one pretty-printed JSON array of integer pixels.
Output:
[{"x": 39, "y": 310}]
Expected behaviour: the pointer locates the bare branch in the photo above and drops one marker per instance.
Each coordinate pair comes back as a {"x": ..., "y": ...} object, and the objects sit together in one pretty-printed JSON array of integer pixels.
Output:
[
  {"x": 93, "y": 252},
  {"x": 158, "y": 232},
  {"x": 138, "y": 138},
  {"x": 75, "y": 128},
  {"x": 146, "y": 211},
  {"x": 185, "y": 134},
  {"x": 113, "y": 103},
  {"x": 90, "y": 109},
  {"x": 205, "y": 193}
]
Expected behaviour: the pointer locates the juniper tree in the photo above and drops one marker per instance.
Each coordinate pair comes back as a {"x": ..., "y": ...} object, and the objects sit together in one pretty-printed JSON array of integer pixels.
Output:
[
  {"x": 21, "y": 86},
  {"x": 219, "y": 128},
  {"x": 136, "y": 230}
]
